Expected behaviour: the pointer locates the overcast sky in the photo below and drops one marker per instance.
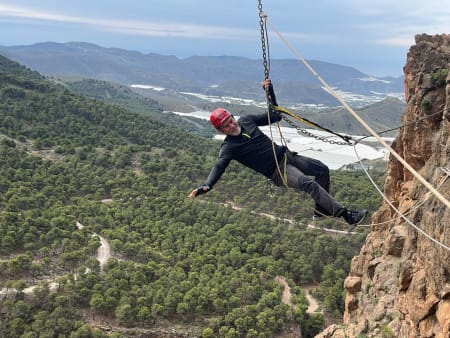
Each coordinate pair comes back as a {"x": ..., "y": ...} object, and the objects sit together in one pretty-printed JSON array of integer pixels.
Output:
[{"x": 372, "y": 36}]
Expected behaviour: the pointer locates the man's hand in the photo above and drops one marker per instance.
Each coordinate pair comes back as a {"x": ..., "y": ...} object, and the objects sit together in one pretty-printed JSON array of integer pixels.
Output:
[
  {"x": 268, "y": 87},
  {"x": 266, "y": 84},
  {"x": 200, "y": 190}
]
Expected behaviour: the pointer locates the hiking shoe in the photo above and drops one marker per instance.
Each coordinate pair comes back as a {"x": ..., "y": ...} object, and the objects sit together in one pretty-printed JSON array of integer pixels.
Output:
[{"x": 354, "y": 217}]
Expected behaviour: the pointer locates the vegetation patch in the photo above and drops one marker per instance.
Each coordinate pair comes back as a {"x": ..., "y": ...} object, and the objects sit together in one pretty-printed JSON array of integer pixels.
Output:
[{"x": 175, "y": 260}]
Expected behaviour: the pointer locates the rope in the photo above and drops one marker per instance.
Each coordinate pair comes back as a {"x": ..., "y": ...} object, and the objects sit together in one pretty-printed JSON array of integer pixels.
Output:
[
  {"x": 346, "y": 138},
  {"x": 446, "y": 170},
  {"x": 363, "y": 123},
  {"x": 440, "y": 112},
  {"x": 412, "y": 208},
  {"x": 396, "y": 210},
  {"x": 266, "y": 64}
]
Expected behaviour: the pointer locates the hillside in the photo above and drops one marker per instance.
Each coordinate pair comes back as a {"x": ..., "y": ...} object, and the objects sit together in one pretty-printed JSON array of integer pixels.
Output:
[
  {"x": 180, "y": 268},
  {"x": 144, "y": 104},
  {"x": 381, "y": 116}
]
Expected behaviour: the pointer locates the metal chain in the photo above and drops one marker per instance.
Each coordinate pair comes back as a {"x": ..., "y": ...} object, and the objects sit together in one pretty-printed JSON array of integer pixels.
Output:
[
  {"x": 262, "y": 17},
  {"x": 317, "y": 137},
  {"x": 265, "y": 54},
  {"x": 262, "y": 24}
]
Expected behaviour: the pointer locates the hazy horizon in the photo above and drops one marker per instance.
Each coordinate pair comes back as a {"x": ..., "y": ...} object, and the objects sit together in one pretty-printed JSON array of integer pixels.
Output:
[{"x": 373, "y": 37}]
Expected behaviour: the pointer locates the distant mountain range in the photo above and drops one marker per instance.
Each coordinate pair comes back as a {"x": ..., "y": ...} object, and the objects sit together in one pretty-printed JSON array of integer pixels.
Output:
[{"x": 206, "y": 75}]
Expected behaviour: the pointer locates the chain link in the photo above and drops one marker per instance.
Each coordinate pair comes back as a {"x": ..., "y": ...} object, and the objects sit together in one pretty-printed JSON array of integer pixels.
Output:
[
  {"x": 263, "y": 28},
  {"x": 262, "y": 24},
  {"x": 317, "y": 137}
]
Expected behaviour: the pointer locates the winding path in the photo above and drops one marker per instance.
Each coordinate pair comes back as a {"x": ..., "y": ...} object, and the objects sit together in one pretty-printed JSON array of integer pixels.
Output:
[
  {"x": 103, "y": 254},
  {"x": 104, "y": 251},
  {"x": 313, "y": 304},
  {"x": 287, "y": 296}
]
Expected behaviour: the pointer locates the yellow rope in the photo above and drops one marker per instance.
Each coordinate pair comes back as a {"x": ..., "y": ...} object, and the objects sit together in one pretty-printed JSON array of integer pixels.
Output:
[{"x": 295, "y": 116}]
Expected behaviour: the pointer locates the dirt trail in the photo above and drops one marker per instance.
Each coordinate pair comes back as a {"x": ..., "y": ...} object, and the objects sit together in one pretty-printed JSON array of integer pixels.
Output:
[
  {"x": 104, "y": 251},
  {"x": 103, "y": 254},
  {"x": 313, "y": 304},
  {"x": 287, "y": 296},
  {"x": 291, "y": 221}
]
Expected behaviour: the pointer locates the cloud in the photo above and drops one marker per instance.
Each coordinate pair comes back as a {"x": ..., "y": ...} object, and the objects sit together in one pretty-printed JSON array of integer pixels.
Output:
[
  {"x": 131, "y": 27},
  {"x": 396, "y": 42},
  {"x": 382, "y": 22},
  {"x": 26, "y": 13}
]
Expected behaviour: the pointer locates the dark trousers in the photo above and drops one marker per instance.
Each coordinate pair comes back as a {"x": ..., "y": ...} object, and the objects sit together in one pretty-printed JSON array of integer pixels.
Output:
[{"x": 309, "y": 175}]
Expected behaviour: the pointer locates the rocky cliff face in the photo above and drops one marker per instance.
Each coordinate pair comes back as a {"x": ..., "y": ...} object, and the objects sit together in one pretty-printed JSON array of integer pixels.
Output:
[{"x": 399, "y": 284}]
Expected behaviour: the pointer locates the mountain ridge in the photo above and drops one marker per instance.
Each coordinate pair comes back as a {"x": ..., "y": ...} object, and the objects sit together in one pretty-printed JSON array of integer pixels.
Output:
[{"x": 211, "y": 75}]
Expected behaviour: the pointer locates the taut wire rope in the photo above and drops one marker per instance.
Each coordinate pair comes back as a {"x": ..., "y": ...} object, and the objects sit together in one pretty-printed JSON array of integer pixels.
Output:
[{"x": 398, "y": 211}]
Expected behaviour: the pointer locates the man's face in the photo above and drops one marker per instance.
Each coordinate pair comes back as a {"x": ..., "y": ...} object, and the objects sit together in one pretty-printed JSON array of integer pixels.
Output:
[{"x": 230, "y": 127}]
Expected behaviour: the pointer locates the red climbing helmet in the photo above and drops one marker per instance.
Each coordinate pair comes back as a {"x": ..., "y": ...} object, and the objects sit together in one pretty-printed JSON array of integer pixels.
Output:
[{"x": 218, "y": 116}]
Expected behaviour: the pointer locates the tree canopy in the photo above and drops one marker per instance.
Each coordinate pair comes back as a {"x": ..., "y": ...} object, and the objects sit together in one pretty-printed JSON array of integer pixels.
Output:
[{"x": 195, "y": 262}]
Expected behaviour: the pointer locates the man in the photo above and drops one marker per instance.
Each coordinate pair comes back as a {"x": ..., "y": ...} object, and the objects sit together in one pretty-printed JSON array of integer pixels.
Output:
[{"x": 247, "y": 144}]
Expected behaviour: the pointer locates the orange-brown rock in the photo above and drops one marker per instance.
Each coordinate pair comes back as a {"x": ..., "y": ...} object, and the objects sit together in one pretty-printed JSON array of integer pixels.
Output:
[{"x": 399, "y": 284}]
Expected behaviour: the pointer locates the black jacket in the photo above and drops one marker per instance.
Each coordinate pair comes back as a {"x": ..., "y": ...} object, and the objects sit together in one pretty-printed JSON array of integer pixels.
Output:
[{"x": 252, "y": 148}]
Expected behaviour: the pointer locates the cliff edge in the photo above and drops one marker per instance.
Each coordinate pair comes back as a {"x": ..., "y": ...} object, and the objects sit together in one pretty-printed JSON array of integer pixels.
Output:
[{"x": 399, "y": 284}]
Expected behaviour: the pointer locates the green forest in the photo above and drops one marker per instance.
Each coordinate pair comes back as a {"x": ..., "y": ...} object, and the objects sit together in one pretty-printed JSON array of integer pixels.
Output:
[{"x": 196, "y": 266}]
